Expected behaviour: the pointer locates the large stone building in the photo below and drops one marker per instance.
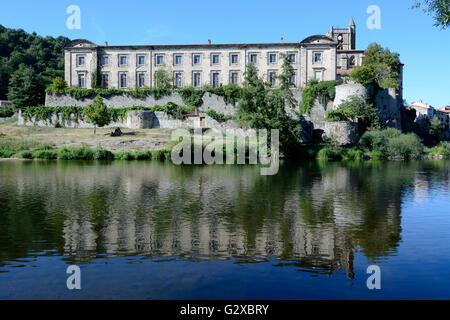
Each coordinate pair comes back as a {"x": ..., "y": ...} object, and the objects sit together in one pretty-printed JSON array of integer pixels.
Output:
[{"x": 319, "y": 56}]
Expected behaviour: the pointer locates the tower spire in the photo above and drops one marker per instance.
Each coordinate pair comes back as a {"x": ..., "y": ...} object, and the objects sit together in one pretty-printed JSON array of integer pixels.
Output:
[{"x": 352, "y": 22}]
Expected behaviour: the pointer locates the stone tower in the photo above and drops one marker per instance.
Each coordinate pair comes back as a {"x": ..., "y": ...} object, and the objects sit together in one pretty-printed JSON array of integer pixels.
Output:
[{"x": 345, "y": 37}]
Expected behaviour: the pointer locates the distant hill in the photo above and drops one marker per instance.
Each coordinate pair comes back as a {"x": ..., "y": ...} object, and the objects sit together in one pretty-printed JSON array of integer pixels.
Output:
[{"x": 44, "y": 55}]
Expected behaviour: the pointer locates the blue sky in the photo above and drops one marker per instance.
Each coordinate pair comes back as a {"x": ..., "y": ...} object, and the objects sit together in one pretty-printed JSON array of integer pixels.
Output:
[{"x": 423, "y": 48}]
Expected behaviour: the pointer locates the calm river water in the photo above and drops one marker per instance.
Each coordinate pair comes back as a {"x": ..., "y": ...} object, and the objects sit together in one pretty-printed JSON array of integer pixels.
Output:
[{"x": 153, "y": 230}]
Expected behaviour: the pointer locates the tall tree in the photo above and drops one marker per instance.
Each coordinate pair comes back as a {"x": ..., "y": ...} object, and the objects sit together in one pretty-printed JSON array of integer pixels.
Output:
[
  {"x": 285, "y": 80},
  {"x": 26, "y": 88},
  {"x": 439, "y": 9},
  {"x": 44, "y": 55}
]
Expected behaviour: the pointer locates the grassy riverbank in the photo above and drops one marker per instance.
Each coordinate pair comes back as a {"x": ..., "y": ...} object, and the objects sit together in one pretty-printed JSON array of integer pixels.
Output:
[{"x": 81, "y": 144}]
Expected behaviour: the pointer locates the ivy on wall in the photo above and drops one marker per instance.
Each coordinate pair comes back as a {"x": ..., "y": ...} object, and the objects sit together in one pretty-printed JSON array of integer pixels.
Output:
[
  {"x": 325, "y": 91},
  {"x": 75, "y": 113}
]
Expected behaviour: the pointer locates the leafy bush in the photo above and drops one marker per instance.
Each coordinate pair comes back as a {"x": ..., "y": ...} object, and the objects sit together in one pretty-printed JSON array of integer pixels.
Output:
[
  {"x": 25, "y": 155},
  {"x": 392, "y": 143},
  {"x": 45, "y": 154},
  {"x": 406, "y": 146},
  {"x": 6, "y": 112},
  {"x": 101, "y": 154},
  {"x": 443, "y": 149},
  {"x": 324, "y": 90},
  {"x": 124, "y": 156},
  {"x": 81, "y": 153},
  {"x": 58, "y": 86},
  {"x": 340, "y": 114},
  {"x": 191, "y": 96},
  {"x": 231, "y": 93},
  {"x": 219, "y": 117},
  {"x": 6, "y": 153}
]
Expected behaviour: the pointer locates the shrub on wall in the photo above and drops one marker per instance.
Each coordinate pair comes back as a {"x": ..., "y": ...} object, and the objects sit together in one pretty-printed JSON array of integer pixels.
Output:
[
  {"x": 219, "y": 117},
  {"x": 191, "y": 97},
  {"x": 324, "y": 90}
]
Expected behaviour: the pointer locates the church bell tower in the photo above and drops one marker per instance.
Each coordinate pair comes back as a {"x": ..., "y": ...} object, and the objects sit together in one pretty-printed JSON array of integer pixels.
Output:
[{"x": 345, "y": 37}]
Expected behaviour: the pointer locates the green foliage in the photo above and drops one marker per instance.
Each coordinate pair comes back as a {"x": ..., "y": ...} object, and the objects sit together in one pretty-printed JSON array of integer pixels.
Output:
[
  {"x": 355, "y": 107},
  {"x": 45, "y": 154},
  {"x": 380, "y": 68},
  {"x": 263, "y": 107},
  {"x": 163, "y": 79},
  {"x": 6, "y": 112},
  {"x": 324, "y": 90},
  {"x": 97, "y": 113},
  {"x": 231, "y": 93},
  {"x": 439, "y": 9},
  {"x": 101, "y": 154},
  {"x": 219, "y": 117},
  {"x": 337, "y": 154},
  {"x": 25, "y": 155},
  {"x": 44, "y": 55},
  {"x": 391, "y": 143},
  {"x": 58, "y": 86},
  {"x": 340, "y": 114},
  {"x": 437, "y": 127},
  {"x": 287, "y": 72},
  {"x": 81, "y": 153},
  {"x": 443, "y": 149},
  {"x": 191, "y": 96},
  {"x": 26, "y": 88}
]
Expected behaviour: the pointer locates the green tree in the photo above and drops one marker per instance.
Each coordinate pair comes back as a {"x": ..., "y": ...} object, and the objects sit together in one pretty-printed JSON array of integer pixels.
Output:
[
  {"x": 439, "y": 9},
  {"x": 436, "y": 129},
  {"x": 97, "y": 113},
  {"x": 163, "y": 79},
  {"x": 58, "y": 86},
  {"x": 287, "y": 73},
  {"x": 263, "y": 107},
  {"x": 26, "y": 88},
  {"x": 44, "y": 55},
  {"x": 380, "y": 67}
]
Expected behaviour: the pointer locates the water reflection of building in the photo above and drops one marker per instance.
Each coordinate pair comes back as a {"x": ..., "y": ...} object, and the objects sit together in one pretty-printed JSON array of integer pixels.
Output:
[{"x": 310, "y": 220}]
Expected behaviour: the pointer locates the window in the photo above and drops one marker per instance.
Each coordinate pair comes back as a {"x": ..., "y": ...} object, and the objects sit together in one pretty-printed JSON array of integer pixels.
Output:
[
  {"x": 123, "y": 60},
  {"x": 196, "y": 79},
  {"x": 292, "y": 57},
  {"x": 141, "y": 79},
  {"x": 178, "y": 60},
  {"x": 196, "y": 59},
  {"x": 352, "y": 61},
  {"x": 105, "y": 81},
  {"x": 215, "y": 79},
  {"x": 234, "y": 59},
  {"x": 82, "y": 80},
  {"x": 215, "y": 59},
  {"x": 318, "y": 75},
  {"x": 159, "y": 60},
  {"x": 141, "y": 60},
  {"x": 123, "y": 80},
  {"x": 317, "y": 57},
  {"x": 234, "y": 77},
  {"x": 104, "y": 60},
  {"x": 272, "y": 58},
  {"x": 253, "y": 58},
  {"x": 178, "y": 79},
  {"x": 292, "y": 80},
  {"x": 272, "y": 77},
  {"x": 81, "y": 61}
]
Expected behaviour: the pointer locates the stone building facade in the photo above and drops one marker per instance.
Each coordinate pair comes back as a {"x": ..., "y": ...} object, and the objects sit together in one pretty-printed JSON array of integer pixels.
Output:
[{"x": 319, "y": 56}]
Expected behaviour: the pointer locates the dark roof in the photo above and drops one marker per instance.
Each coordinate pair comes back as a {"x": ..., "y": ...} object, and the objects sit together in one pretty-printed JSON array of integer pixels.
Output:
[{"x": 317, "y": 37}]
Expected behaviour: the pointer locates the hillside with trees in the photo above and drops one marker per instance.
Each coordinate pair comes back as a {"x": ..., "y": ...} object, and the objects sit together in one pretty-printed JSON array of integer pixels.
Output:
[{"x": 22, "y": 52}]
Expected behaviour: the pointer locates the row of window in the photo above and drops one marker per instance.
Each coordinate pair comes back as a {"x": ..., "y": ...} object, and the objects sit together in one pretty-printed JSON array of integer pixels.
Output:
[
  {"x": 177, "y": 79},
  {"x": 197, "y": 59}
]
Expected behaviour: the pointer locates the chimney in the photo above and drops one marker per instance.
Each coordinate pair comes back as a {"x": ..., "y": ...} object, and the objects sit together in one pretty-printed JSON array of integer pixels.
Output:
[
  {"x": 106, "y": 43},
  {"x": 209, "y": 41},
  {"x": 282, "y": 40}
]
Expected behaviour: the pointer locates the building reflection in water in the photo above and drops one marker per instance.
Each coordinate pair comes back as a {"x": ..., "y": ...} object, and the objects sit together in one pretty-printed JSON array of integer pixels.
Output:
[{"x": 312, "y": 217}]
